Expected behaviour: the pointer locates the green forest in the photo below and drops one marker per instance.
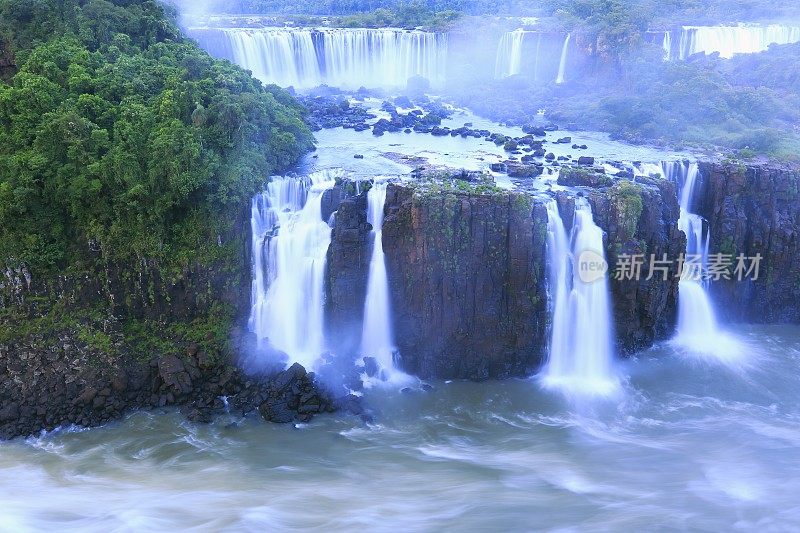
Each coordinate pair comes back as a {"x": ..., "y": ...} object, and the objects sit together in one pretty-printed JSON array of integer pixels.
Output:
[{"x": 120, "y": 136}]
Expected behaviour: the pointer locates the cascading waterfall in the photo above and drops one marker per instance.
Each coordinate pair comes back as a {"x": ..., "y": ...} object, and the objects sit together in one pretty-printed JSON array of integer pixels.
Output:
[
  {"x": 306, "y": 58},
  {"x": 289, "y": 246},
  {"x": 581, "y": 353},
  {"x": 667, "y": 45},
  {"x": 727, "y": 40},
  {"x": 562, "y": 64},
  {"x": 282, "y": 57},
  {"x": 698, "y": 330},
  {"x": 377, "y": 339},
  {"x": 509, "y": 54}
]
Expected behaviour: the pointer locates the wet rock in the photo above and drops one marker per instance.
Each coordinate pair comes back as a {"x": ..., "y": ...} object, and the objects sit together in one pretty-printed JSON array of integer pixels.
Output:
[
  {"x": 468, "y": 312},
  {"x": 371, "y": 367}
]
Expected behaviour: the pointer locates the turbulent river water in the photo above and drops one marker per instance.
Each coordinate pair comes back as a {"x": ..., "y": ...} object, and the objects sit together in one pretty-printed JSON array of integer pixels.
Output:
[{"x": 689, "y": 444}]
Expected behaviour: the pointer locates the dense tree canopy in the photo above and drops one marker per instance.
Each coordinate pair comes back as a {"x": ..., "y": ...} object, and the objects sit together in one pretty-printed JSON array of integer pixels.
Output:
[{"x": 119, "y": 135}]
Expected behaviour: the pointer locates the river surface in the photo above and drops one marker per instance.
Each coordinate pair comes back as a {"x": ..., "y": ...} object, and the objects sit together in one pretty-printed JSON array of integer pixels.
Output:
[
  {"x": 398, "y": 153},
  {"x": 691, "y": 444}
]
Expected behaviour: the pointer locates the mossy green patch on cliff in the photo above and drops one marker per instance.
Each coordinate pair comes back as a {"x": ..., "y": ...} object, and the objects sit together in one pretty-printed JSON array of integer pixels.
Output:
[
  {"x": 627, "y": 198},
  {"x": 211, "y": 333}
]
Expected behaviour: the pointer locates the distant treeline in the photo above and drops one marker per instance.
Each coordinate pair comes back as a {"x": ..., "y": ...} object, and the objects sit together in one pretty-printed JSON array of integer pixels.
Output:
[{"x": 660, "y": 12}]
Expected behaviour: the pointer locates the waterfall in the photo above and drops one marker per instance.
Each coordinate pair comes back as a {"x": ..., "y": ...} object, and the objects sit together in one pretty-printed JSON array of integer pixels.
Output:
[
  {"x": 305, "y": 58},
  {"x": 509, "y": 54},
  {"x": 289, "y": 246},
  {"x": 667, "y": 45},
  {"x": 562, "y": 64},
  {"x": 377, "y": 340},
  {"x": 729, "y": 40},
  {"x": 282, "y": 57},
  {"x": 581, "y": 353},
  {"x": 698, "y": 330}
]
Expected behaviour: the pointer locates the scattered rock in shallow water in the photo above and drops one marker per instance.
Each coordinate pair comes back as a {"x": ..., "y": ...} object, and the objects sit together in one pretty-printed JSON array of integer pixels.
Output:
[
  {"x": 524, "y": 171},
  {"x": 293, "y": 396},
  {"x": 586, "y": 160},
  {"x": 534, "y": 130},
  {"x": 358, "y": 156},
  {"x": 564, "y": 140}
]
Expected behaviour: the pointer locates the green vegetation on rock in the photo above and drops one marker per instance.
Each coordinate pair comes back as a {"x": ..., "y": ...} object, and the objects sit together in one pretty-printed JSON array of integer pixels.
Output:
[
  {"x": 127, "y": 159},
  {"x": 122, "y": 137}
]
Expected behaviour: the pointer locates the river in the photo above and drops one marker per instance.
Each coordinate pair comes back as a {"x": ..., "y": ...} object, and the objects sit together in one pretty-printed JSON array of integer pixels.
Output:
[{"x": 690, "y": 444}]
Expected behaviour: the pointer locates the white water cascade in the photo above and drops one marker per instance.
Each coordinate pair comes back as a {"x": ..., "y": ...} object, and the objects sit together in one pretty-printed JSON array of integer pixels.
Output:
[
  {"x": 698, "y": 330},
  {"x": 377, "y": 339},
  {"x": 305, "y": 58},
  {"x": 581, "y": 354},
  {"x": 728, "y": 40},
  {"x": 509, "y": 54},
  {"x": 562, "y": 64},
  {"x": 289, "y": 246}
]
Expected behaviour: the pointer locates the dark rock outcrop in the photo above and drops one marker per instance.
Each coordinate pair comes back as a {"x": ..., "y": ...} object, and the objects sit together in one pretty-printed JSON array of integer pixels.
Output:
[
  {"x": 347, "y": 272},
  {"x": 466, "y": 274},
  {"x": 51, "y": 381},
  {"x": 8, "y": 65},
  {"x": 641, "y": 220},
  {"x": 754, "y": 210}
]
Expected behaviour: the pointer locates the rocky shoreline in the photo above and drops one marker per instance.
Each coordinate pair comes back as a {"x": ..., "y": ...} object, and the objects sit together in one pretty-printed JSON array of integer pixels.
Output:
[{"x": 52, "y": 382}]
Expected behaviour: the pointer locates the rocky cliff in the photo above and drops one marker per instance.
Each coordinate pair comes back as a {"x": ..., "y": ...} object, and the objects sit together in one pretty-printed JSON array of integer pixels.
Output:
[
  {"x": 87, "y": 346},
  {"x": 755, "y": 209},
  {"x": 641, "y": 219},
  {"x": 466, "y": 273}
]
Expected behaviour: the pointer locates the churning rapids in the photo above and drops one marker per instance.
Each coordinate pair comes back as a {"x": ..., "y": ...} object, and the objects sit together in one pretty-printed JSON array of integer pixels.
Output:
[{"x": 690, "y": 445}]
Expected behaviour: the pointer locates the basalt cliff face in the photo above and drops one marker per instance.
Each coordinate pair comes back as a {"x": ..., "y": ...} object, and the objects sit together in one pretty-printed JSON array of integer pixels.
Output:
[
  {"x": 642, "y": 221},
  {"x": 467, "y": 272},
  {"x": 755, "y": 209},
  {"x": 467, "y": 283}
]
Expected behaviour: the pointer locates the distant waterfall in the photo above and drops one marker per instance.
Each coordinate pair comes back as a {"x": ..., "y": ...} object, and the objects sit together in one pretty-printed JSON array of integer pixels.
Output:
[
  {"x": 727, "y": 40},
  {"x": 562, "y": 65},
  {"x": 581, "y": 353},
  {"x": 377, "y": 339},
  {"x": 305, "y": 58},
  {"x": 509, "y": 54},
  {"x": 697, "y": 326},
  {"x": 289, "y": 246},
  {"x": 282, "y": 57}
]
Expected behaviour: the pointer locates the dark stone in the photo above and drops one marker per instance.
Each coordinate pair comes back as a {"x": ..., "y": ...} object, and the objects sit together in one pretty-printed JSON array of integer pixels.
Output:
[
  {"x": 371, "y": 367},
  {"x": 465, "y": 271}
]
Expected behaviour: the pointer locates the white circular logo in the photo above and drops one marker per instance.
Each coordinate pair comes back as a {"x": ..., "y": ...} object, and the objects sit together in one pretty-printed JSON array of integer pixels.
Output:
[{"x": 591, "y": 266}]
